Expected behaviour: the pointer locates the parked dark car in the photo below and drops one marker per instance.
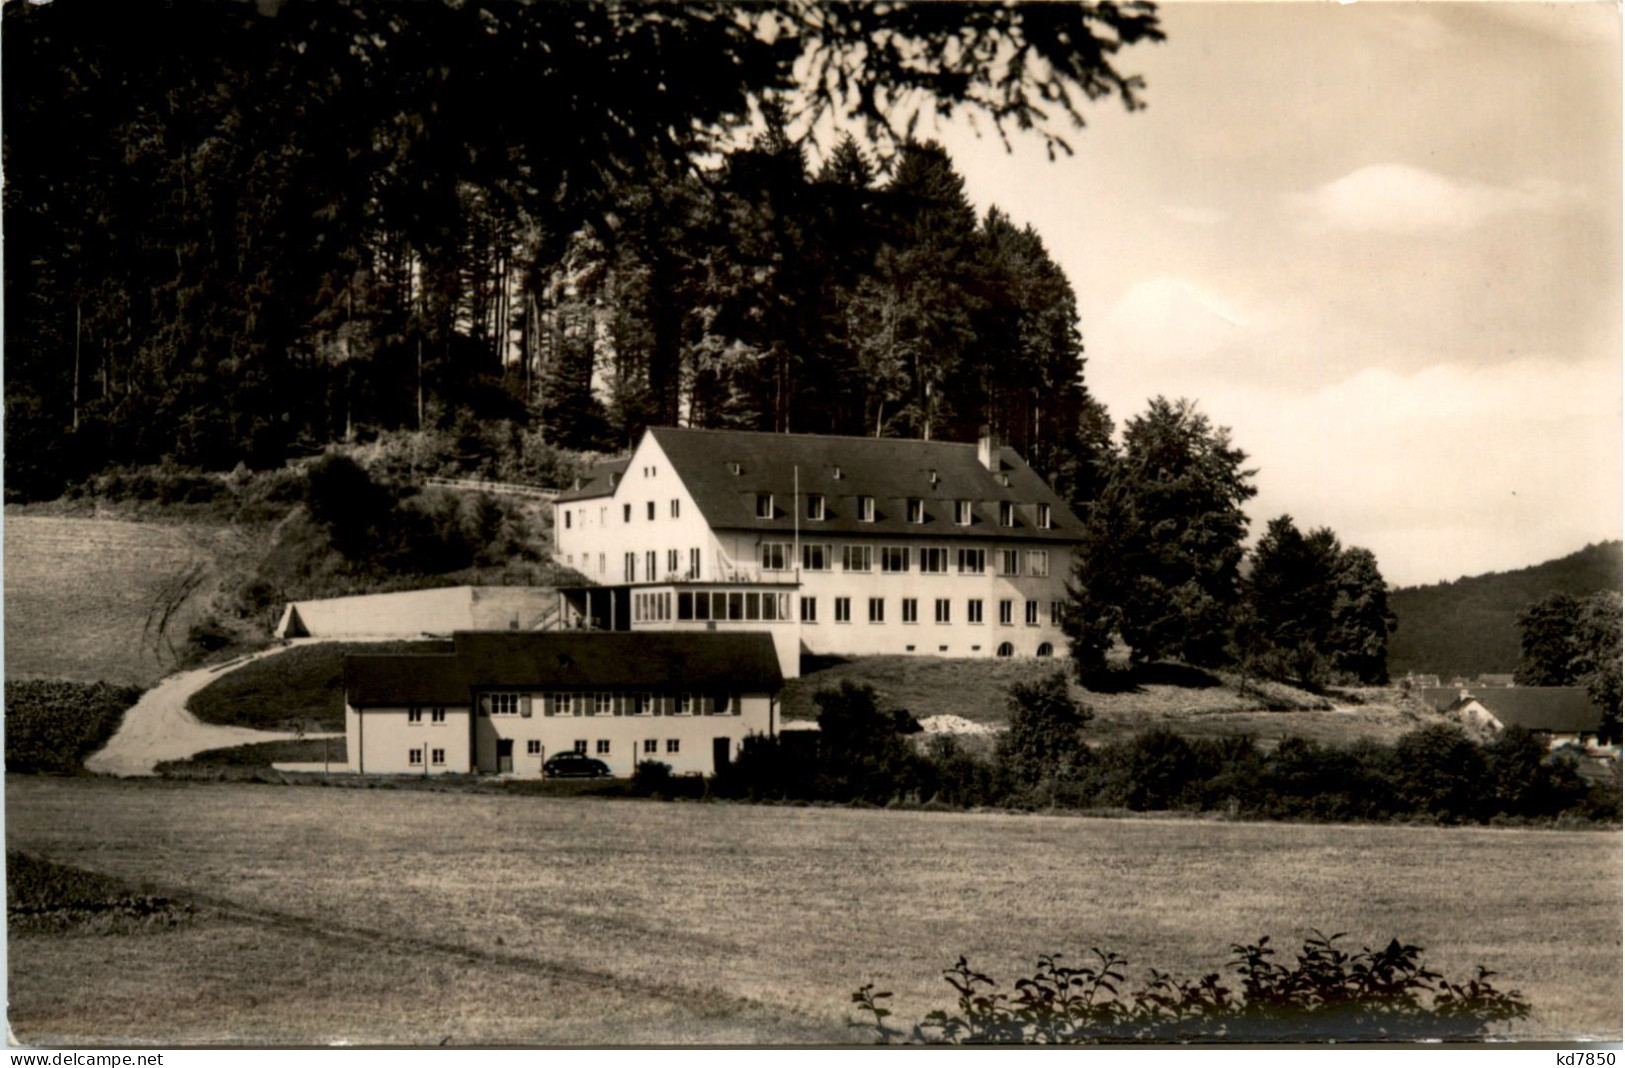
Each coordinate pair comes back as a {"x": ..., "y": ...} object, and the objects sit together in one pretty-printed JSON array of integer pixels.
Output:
[{"x": 572, "y": 765}]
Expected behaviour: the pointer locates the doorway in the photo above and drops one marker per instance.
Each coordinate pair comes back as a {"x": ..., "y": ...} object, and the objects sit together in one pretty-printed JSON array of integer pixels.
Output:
[
  {"x": 721, "y": 753},
  {"x": 504, "y": 755}
]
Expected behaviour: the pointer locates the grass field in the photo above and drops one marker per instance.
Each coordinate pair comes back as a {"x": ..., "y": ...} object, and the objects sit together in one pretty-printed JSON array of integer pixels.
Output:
[
  {"x": 398, "y": 916},
  {"x": 79, "y": 594}
]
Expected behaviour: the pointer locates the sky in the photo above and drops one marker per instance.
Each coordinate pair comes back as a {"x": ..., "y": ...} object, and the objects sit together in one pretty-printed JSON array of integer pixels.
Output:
[{"x": 1378, "y": 241}]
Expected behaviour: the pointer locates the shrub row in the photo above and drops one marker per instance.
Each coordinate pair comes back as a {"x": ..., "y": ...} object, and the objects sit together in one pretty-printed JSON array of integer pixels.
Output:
[
  {"x": 1435, "y": 772},
  {"x": 1327, "y": 995},
  {"x": 52, "y": 726}
]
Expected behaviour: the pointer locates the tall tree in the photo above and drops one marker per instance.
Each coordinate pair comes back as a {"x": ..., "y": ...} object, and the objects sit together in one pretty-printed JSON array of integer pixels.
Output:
[
  {"x": 232, "y": 227},
  {"x": 1159, "y": 561},
  {"x": 1549, "y": 641}
]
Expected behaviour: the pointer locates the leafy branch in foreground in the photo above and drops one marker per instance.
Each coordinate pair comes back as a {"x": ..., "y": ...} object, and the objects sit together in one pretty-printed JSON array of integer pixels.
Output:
[{"x": 1328, "y": 994}]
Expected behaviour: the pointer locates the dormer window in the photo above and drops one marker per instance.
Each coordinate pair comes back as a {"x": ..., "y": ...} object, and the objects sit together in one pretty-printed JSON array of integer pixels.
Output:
[
  {"x": 934, "y": 477},
  {"x": 916, "y": 510},
  {"x": 764, "y": 506},
  {"x": 734, "y": 468},
  {"x": 1044, "y": 517},
  {"x": 962, "y": 513},
  {"x": 1007, "y": 514},
  {"x": 866, "y": 509},
  {"x": 815, "y": 506},
  {"x": 835, "y": 473}
]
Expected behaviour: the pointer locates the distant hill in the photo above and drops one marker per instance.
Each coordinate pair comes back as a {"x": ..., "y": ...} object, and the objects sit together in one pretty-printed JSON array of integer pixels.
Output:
[{"x": 1468, "y": 627}]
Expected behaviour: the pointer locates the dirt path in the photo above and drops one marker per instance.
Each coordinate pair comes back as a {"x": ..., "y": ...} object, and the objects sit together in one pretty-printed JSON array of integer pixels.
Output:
[{"x": 158, "y": 727}]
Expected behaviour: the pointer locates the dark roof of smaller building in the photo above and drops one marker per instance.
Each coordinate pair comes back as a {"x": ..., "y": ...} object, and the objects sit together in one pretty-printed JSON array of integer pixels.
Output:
[
  {"x": 1563, "y": 709},
  {"x": 486, "y": 660},
  {"x": 599, "y": 481}
]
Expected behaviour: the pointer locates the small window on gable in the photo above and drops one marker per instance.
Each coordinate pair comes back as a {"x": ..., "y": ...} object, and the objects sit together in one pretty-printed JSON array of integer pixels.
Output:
[
  {"x": 626, "y": 513},
  {"x": 651, "y": 509},
  {"x": 764, "y": 506}
]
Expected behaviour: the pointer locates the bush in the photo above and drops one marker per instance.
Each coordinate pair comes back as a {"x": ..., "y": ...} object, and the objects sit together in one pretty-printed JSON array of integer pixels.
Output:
[
  {"x": 1044, "y": 741},
  {"x": 1439, "y": 771},
  {"x": 651, "y": 778},
  {"x": 52, "y": 726},
  {"x": 861, "y": 751},
  {"x": 1329, "y": 995}
]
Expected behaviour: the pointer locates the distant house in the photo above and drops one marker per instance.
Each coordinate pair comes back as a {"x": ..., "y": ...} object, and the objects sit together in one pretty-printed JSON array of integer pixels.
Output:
[
  {"x": 503, "y": 702},
  {"x": 834, "y": 545},
  {"x": 1559, "y": 715},
  {"x": 1495, "y": 680}
]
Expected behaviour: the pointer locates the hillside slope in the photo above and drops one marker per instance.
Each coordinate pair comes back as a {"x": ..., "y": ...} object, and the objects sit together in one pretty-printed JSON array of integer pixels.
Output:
[
  {"x": 1468, "y": 627},
  {"x": 85, "y": 598}
]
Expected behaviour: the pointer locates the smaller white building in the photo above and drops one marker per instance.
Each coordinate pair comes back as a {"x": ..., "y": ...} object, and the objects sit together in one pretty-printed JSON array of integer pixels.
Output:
[{"x": 503, "y": 702}]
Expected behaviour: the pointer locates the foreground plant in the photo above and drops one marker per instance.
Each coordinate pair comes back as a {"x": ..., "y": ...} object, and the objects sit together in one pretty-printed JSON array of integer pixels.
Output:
[{"x": 1328, "y": 994}]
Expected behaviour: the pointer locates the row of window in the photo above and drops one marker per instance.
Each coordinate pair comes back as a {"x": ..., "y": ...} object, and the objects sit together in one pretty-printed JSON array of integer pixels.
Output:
[
  {"x": 651, "y": 565},
  {"x": 533, "y": 747},
  {"x": 895, "y": 559},
  {"x": 602, "y": 747},
  {"x": 942, "y": 611},
  {"x": 747, "y": 605},
  {"x": 610, "y": 703},
  {"x": 675, "y": 506},
  {"x": 436, "y": 715},
  {"x": 817, "y": 510}
]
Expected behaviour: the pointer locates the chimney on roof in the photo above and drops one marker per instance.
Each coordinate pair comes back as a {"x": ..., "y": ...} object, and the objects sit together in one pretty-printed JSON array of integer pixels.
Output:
[{"x": 987, "y": 449}]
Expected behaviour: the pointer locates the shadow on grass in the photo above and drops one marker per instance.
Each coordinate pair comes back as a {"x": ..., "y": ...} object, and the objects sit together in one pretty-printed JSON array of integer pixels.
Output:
[
  {"x": 1134, "y": 678},
  {"x": 811, "y": 663}
]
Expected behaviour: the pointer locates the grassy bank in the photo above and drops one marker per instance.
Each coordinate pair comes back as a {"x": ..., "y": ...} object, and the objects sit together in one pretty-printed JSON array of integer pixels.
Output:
[
  {"x": 304, "y": 684},
  {"x": 1193, "y": 703},
  {"x": 663, "y": 920}
]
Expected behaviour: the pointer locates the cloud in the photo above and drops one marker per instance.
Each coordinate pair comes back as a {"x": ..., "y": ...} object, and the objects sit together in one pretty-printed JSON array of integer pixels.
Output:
[
  {"x": 1195, "y": 216},
  {"x": 1173, "y": 318},
  {"x": 1452, "y": 470},
  {"x": 1396, "y": 198}
]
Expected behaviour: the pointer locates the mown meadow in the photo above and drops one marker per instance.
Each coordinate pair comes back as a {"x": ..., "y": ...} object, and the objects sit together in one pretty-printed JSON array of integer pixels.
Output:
[{"x": 378, "y": 915}]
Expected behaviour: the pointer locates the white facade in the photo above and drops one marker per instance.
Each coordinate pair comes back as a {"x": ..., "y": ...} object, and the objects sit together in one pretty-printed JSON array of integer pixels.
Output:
[
  {"x": 690, "y": 732},
  {"x": 686, "y": 731},
  {"x": 409, "y": 740},
  {"x": 835, "y": 592}
]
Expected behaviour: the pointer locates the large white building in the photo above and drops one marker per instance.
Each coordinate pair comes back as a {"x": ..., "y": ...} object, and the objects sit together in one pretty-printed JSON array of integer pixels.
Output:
[
  {"x": 833, "y": 545},
  {"x": 504, "y": 701}
]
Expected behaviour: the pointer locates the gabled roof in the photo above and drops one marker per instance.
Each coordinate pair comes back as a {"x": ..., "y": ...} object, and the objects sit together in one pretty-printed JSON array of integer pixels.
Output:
[
  {"x": 726, "y": 470},
  {"x": 599, "y": 481},
  {"x": 486, "y": 660},
  {"x": 1563, "y": 709}
]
